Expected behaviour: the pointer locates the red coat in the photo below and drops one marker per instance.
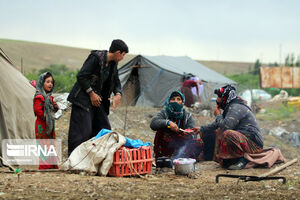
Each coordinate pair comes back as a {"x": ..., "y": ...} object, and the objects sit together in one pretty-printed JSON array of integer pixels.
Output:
[
  {"x": 40, "y": 123},
  {"x": 40, "y": 129},
  {"x": 189, "y": 83}
]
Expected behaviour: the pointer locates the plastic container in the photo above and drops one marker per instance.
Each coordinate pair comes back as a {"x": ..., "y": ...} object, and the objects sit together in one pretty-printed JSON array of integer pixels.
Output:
[
  {"x": 184, "y": 166},
  {"x": 164, "y": 162},
  {"x": 128, "y": 162}
]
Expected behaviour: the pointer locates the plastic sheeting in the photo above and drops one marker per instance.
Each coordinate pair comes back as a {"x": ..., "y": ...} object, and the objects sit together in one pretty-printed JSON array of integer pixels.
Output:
[
  {"x": 63, "y": 104},
  {"x": 129, "y": 142}
]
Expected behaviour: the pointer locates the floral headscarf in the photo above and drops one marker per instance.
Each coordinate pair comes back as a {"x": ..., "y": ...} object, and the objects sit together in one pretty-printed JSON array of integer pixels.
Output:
[
  {"x": 48, "y": 107},
  {"x": 227, "y": 94},
  {"x": 173, "y": 109}
]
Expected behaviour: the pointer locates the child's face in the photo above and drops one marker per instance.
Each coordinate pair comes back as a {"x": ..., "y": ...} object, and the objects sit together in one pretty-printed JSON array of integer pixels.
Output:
[{"x": 48, "y": 84}]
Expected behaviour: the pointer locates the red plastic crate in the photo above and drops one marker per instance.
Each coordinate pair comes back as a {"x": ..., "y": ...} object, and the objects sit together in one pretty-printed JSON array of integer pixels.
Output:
[{"x": 140, "y": 159}]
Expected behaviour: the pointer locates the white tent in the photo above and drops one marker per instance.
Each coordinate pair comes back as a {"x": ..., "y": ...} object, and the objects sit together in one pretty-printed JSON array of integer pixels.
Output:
[{"x": 16, "y": 103}]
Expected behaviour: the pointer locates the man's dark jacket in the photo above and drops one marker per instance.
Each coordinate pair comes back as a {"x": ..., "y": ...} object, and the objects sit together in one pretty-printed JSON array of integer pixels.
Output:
[{"x": 91, "y": 76}]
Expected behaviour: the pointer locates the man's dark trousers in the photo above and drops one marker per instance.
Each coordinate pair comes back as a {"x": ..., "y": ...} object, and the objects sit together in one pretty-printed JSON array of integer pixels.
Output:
[{"x": 85, "y": 124}]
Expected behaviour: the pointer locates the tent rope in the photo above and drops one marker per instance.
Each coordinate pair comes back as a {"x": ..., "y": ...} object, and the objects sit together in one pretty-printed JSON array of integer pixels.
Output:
[{"x": 131, "y": 165}]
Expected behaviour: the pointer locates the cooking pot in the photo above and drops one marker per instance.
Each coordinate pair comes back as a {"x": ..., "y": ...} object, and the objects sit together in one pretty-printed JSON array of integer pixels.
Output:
[{"x": 184, "y": 166}]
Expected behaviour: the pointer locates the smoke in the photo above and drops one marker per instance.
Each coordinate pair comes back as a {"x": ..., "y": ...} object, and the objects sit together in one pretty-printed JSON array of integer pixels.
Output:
[
  {"x": 186, "y": 149},
  {"x": 181, "y": 153}
]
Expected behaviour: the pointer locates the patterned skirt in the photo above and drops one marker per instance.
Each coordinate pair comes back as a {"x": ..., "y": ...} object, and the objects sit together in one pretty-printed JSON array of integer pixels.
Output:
[
  {"x": 232, "y": 144},
  {"x": 47, "y": 162}
]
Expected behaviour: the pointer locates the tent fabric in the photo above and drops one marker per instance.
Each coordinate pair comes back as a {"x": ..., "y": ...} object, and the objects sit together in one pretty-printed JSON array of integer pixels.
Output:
[
  {"x": 16, "y": 103},
  {"x": 185, "y": 64},
  {"x": 157, "y": 76},
  {"x": 95, "y": 155}
]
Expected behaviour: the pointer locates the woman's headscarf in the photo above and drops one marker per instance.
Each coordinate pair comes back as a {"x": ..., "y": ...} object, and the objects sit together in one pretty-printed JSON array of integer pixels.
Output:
[
  {"x": 48, "y": 107},
  {"x": 227, "y": 94},
  {"x": 173, "y": 109}
]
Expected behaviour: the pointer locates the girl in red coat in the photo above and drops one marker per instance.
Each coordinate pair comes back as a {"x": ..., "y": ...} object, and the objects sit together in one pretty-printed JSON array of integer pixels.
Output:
[{"x": 44, "y": 107}]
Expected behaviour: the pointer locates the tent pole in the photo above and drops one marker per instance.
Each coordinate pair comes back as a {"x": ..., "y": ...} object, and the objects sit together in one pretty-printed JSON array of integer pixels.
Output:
[{"x": 125, "y": 119}]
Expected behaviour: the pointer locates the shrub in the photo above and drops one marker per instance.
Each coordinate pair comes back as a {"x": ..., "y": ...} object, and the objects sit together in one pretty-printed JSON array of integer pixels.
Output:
[
  {"x": 282, "y": 112},
  {"x": 64, "y": 77}
]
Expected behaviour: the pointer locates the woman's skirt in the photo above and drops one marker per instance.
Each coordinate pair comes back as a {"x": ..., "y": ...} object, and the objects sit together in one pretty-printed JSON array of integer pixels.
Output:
[{"x": 232, "y": 144}]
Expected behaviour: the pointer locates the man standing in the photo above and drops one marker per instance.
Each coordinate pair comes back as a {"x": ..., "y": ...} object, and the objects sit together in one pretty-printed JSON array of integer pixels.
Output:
[{"x": 96, "y": 80}]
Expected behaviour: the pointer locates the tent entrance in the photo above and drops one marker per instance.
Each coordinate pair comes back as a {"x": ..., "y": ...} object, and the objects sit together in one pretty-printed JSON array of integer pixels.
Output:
[{"x": 131, "y": 89}]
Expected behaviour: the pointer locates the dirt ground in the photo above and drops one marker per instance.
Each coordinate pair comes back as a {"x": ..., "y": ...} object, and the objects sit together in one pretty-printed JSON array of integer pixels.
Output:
[{"x": 163, "y": 183}]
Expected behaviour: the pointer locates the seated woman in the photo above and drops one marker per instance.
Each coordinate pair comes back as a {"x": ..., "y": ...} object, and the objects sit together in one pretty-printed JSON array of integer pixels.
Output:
[
  {"x": 237, "y": 131},
  {"x": 169, "y": 140}
]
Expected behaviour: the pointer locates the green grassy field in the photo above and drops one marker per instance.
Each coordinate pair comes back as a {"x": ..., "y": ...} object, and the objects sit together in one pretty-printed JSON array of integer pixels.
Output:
[{"x": 40, "y": 55}]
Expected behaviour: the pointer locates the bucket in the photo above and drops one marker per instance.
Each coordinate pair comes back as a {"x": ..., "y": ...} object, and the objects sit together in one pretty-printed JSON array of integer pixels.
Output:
[{"x": 184, "y": 166}]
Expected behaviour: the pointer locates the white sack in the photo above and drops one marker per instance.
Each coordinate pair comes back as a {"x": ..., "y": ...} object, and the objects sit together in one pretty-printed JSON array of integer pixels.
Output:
[{"x": 95, "y": 156}]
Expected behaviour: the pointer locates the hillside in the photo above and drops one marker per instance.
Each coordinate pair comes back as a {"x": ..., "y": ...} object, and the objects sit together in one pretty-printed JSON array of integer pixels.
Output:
[
  {"x": 40, "y": 55},
  {"x": 229, "y": 68}
]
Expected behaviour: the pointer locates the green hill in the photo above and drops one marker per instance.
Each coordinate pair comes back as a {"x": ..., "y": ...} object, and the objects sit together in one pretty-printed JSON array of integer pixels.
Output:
[{"x": 40, "y": 55}]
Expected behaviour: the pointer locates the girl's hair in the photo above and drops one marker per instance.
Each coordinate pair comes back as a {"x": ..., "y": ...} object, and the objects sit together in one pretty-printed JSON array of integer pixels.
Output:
[{"x": 47, "y": 75}]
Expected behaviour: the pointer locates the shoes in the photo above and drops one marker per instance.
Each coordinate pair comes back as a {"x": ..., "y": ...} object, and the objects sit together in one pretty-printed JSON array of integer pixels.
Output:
[
  {"x": 227, "y": 162},
  {"x": 241, "y": 164}
]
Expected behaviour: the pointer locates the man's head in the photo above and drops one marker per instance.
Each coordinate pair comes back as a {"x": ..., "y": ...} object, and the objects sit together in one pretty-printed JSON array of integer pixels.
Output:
[{"x": 118, "y": 48}]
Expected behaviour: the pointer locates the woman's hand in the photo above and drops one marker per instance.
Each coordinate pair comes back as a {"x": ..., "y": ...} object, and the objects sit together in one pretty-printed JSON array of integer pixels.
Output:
[
  {"x": 173, "y": 127},
  {"x": 217, "y": 111},
  {"x": 196, "y": 129}
]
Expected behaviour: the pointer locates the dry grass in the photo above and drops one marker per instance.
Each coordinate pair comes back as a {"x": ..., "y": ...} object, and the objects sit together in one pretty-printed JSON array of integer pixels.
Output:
[{"x": 40, "y": 55}]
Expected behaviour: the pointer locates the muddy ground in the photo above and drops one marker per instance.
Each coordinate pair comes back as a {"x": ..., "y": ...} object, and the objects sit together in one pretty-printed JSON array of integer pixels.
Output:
[{"x": 160, "y": 184}]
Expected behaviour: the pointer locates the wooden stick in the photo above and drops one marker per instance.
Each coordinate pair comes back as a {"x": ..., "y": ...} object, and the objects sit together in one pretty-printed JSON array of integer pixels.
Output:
[
  {"x": 277, "y": 169},
  {"x": 7, "y": 165}
]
